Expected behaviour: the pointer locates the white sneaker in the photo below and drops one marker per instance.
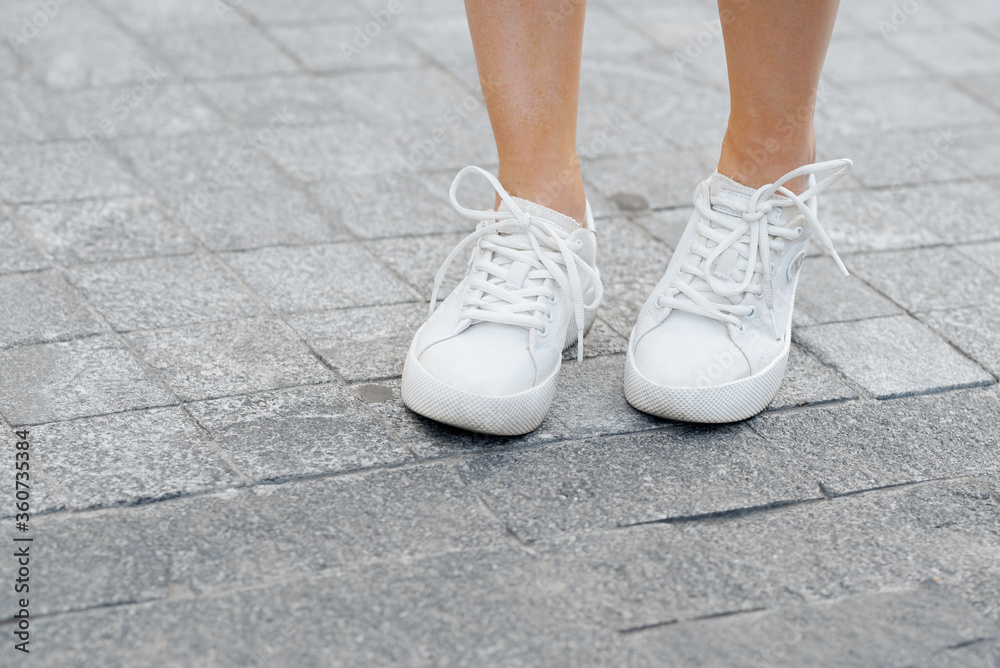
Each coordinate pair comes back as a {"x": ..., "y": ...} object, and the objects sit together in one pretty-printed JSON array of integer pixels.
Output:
[
  {"x": 487, "y": 359},
  {"x": 712, "y": 340}
]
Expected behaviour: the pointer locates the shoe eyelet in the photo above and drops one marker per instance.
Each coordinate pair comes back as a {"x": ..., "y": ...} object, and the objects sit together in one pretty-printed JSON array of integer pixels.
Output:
[
  {"x": 680, "y": 270},
  {"x": 753, "y": 312},
  {"x": 657, "y": 303},
  {"x": 552, "y": 299},
  {"x": 544, "y": 331},
  {"x": 548, "y": 317},
  {"x": 741, "y": 328},
  {"x": 771, "y": 265},
  {"x": 799, "y": 230}
]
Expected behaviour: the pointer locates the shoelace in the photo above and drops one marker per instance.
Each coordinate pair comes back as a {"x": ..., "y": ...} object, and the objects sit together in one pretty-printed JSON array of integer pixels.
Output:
[
  {"x": 515, "y": 236},
  {"x": 751, "y": 235}
]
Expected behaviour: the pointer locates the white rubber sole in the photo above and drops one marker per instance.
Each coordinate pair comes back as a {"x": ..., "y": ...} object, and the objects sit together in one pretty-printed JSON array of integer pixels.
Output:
[
  {"x": 505, "y": 415},
  {"x": 731, "y": 402}
]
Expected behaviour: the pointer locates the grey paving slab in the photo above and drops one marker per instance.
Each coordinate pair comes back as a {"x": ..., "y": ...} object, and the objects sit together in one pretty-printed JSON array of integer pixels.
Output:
[
  {"x": 164, "y": 292},
  {"x": 303, "y": 100},
  {"x": 17, "y": 253},
  {"x": 623, "y": 480},
  {"x": 445, "y": 39},
  {"x": 631, "y": 264},
  {"x": 417, "y": 260},
  {"x": 662, "y": 180},
  {"x": 856, "y": 446},
  {"x": 335, "y": 151},
  {"x": 9, "y": 67},
  {"x": 590, "y": 398},
  {"x": 228, "y": 193},
  {"x": 322, "y": 526},
  {"x": 69, "y": 379},
  {"x": 807, "y": 381},
  {"x": 60, "y": 171},
  {"x": 300, "y": 11},
  {"x": 298, "y": 432},
  {"x": 442, "y": 125},
  {"x": 864, "y": 220},
  {"x": 313, "y": 278},
  {"x": 173, "y": 15},
  {"x": 39, "y": 307},
  {"x": 857, "y": 58},
  {"x": 890, "y": 356},
  {"x": 79, "y": 47},
  {"x": 600, "y": 340},
  {"x": 105, "y": 546},
  {"x": 363, "y": 343},
  {"x": 814, "y": 552},
  {"x": 987, "y": 254},
  {"x": 222, "y": 358},
  {"x": 983, "y": 87},
  {"x": 665, "y": 225},
  {"x": 167, "y": 108},
  {"x": 312, "y": 45},
  {"x": 392, "y": 204},
  {"x": 105, "y": 230},
  {"x": 954, "y": 212},
  {"x": 431, "y": 439},
  {"x": 903, "y": 277},
  {"x": 973, "y": 330},
  {"x": 23, "y": 113},
  {"x": 436, "y": 620},
  {"x": 953, "y": 50},
  {"x": 919, "y": 627},
  {"x": 967, "y": 150},
  {"x": 824, "y": 294},
  {"x": 224, "y": 50},
  {"x": 895, "y": 159},
  {"x": 130, "y": 457},
  {"x": 899, "y": 105}
]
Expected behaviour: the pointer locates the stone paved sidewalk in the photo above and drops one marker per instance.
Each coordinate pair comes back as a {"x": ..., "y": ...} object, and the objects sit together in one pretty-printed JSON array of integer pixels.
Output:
[{"x": 219, "y": 222}]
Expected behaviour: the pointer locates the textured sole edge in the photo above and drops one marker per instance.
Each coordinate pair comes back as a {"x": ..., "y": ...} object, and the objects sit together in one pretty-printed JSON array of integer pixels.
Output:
[
  {"x": 505, "y": 415},
  {"x": 508, "y": 415},
  {"x": 732, "y": 402}
]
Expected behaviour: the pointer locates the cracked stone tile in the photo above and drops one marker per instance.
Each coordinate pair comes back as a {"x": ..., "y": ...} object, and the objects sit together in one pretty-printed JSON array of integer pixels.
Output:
[
  {"x": 299, "y": 432},
  {"x": 70, "y": 379},
  {"x": 332, "y": 152},
  {"x": 611, "y": 481},
  {"x": 864, "y": 445},
  {"x": 364, "y": 343},
  {"x": 890, "y": 356},
  {"x": 105, "y": 230},
  {"x": 130, "y": 457},
  {"x": 222, "y": 358},
  {"x": 40, "y": 307},
  {"x": 163, "y": 292}
]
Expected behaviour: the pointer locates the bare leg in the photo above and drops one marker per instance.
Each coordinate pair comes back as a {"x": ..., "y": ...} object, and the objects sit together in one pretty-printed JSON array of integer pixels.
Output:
[
  {"x": 528, "y": 55},
  {"x": 774, "y": 52}
]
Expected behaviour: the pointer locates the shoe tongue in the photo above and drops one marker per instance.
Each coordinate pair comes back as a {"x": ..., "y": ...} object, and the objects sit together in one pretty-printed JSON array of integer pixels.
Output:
[
  {"x": 560, "y": 220},
  {"x": 728, "y": 196}
]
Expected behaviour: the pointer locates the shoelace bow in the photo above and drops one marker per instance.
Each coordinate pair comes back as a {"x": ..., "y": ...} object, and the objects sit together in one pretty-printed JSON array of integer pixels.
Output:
[
  {"x": 516, "y": 236},
  {"x": 752, "y": 236}
]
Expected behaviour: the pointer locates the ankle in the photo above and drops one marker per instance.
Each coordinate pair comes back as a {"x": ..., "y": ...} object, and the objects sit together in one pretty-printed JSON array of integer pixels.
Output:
[
  {"x": 757, "y": 158},
  {"x": 556, "y": 186}
]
